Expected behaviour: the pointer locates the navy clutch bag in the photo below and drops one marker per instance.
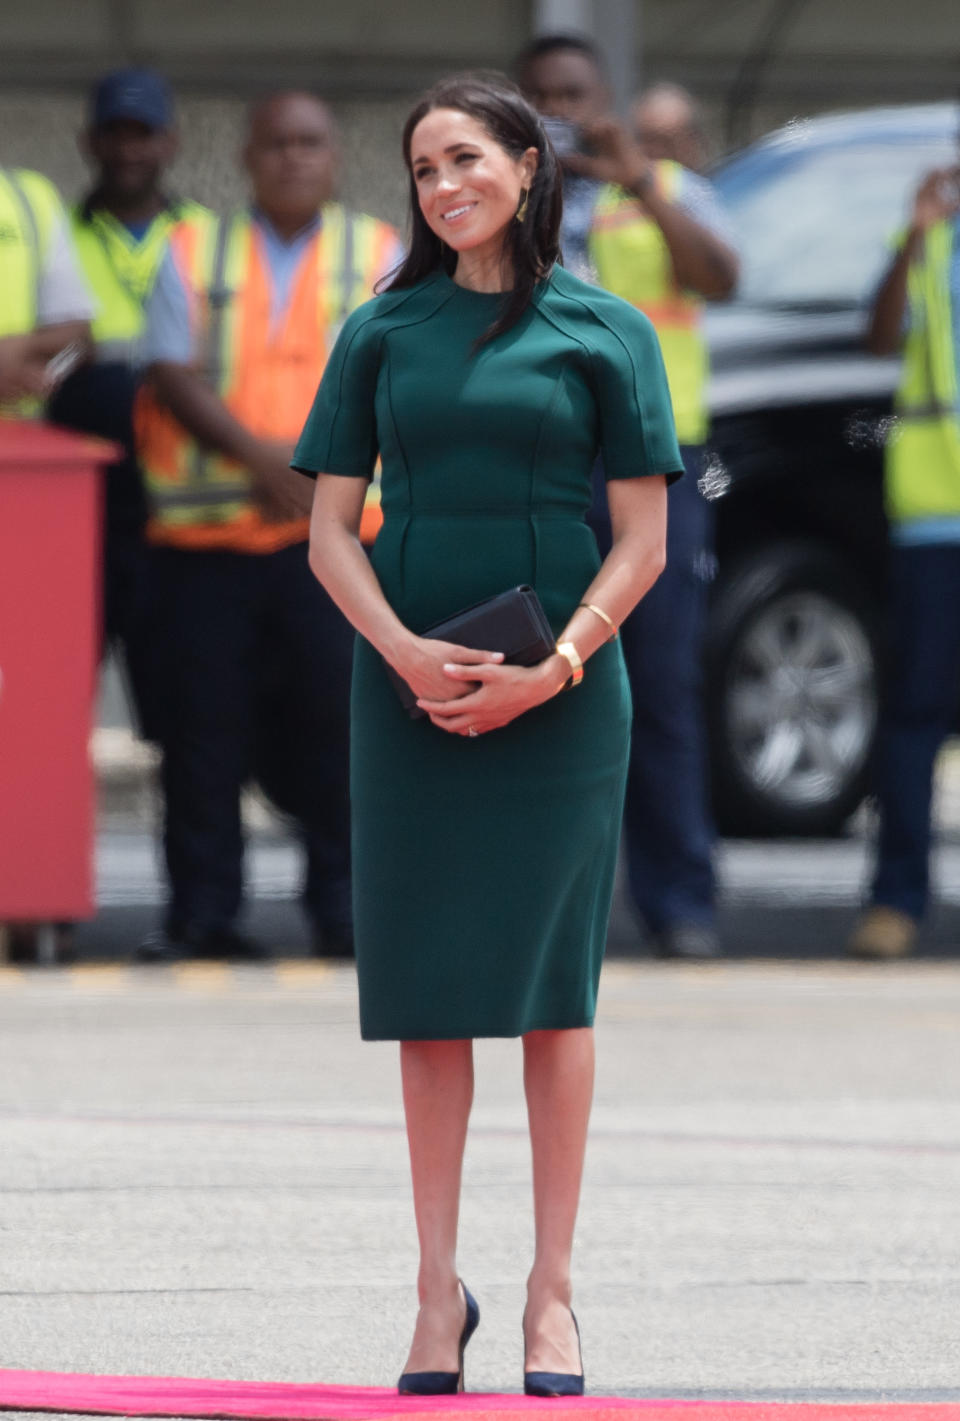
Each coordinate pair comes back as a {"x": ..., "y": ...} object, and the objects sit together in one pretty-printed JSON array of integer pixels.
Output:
[{"x": 513, "y": 622}]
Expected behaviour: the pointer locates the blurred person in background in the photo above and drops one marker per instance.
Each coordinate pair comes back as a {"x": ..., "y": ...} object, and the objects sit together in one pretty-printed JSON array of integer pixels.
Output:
[
  {"x": 120, "y": 232},
  {"x": 920, "y": 294},
  {"x": 45, "y": 308},
  {"x": 652, "y": 232},
  {"x": 667, "y": 122},
  {"x": 254, "y": 657}
]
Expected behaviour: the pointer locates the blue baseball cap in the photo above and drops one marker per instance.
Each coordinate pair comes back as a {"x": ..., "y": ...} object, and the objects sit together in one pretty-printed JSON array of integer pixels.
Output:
[{"x": 139, "y": 94}]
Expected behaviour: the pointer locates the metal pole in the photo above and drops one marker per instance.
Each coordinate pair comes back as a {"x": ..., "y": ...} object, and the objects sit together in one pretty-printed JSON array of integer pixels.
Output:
[
  {"x": 615, "y": 30},
  {"x": 614, "y": 24},
  {"x": 639, "y": 69},
  {"x": 122, "y": 31},
  {"x": 563, "y": 17}
]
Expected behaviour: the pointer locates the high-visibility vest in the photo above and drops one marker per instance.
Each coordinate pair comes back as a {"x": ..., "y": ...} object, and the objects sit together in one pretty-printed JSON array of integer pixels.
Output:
[
  {"x": 29, "y": 207},
  {"x": 121, "y": 271},
  {"x": 632, "y": 259},
  {"x": 266, "y": 375},
  {"x": 923, "y": 450}
]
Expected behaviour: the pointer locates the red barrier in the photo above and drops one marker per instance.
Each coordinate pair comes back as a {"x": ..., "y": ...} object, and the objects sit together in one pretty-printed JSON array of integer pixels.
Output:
[{"x": 49, "y": 618}]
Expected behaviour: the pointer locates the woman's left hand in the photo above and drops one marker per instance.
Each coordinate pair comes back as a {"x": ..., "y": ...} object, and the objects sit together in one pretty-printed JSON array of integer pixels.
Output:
[{"x": 504, "y": 693}]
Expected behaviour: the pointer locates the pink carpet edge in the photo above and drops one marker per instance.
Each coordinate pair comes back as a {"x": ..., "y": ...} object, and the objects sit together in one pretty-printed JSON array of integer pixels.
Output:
[{"x": 221, "y": 1400}]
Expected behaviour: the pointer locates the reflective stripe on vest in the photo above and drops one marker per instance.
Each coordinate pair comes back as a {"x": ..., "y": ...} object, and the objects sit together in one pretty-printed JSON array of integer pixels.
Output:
[
  {"x": 20, "y": 258},
  {"x": 923, "y": 451},
  {"x": 121, "y": 271},
  {"x": 632, "y": 259},
  {"x": 265, "y": 371},
  {"x": 28, "y": 208}
]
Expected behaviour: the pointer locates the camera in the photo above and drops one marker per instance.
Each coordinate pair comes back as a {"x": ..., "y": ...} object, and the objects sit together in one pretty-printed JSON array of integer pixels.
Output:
[{"x": 564, "y": 134}]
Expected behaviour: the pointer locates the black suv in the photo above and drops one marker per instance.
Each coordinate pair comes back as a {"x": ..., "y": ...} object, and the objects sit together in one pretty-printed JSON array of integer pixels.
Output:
[{"x": 800, "y": 415}]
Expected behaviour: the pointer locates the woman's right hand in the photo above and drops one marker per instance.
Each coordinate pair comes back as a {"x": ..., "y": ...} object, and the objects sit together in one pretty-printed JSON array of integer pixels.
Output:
[{"x": 421, "y": 666}]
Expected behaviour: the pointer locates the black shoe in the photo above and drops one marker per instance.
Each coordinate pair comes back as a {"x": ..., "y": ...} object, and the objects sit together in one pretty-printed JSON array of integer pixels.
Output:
[
  {"x": 556, "y": 1383},
  {"x": 332, "y": 940},
  {"x": 693, "y": 942},
  {"x": 444, "y": 1383},
  {"x": 158, "y": 948},
  {"x": 176, "y": 943},
  {"x": 226, "y": 945}
]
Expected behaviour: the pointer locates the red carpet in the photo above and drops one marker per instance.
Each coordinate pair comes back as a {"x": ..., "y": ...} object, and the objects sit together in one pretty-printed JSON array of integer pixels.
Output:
[{"x": 278, "y": 1401}]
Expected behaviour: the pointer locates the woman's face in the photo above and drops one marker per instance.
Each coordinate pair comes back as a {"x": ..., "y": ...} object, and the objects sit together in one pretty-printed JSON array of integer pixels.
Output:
[{"x": 468, "y": 187}]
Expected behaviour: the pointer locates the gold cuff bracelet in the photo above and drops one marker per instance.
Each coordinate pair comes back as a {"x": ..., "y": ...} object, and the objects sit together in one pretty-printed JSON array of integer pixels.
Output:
[{"x": 599, "y": 612}]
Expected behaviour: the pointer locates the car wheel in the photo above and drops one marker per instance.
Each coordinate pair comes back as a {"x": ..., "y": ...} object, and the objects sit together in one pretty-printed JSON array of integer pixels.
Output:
[{"x": 792, "y": 678}]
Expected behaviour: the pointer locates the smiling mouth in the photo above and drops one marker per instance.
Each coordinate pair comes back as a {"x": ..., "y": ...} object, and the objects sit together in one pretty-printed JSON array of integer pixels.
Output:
[{"x": 457, "y": 212}]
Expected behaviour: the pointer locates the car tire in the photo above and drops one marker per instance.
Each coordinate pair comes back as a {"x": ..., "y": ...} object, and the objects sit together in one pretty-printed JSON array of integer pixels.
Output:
[{"x": 792, "y": 672}]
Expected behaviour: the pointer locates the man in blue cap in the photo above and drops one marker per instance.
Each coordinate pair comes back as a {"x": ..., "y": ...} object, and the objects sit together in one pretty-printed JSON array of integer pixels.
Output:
[{"x": 120, "y": 232}]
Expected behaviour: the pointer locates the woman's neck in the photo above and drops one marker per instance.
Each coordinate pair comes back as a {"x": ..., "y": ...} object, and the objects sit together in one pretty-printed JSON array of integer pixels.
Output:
[{"x": 487, "y": 269}]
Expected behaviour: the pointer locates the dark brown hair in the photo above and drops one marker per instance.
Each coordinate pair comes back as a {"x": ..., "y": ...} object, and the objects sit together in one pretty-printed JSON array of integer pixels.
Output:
[
  {"x": 533, "y": 245},
  {"x": 561, "y": 43}
]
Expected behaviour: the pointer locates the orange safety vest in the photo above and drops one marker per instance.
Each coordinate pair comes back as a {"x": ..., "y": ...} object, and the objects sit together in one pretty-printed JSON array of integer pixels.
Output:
[{"x": 266, "y": 372}]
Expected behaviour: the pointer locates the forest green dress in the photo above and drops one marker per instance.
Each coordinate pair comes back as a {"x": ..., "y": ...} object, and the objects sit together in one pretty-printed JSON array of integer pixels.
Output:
[{"x": 483, "y": 868}]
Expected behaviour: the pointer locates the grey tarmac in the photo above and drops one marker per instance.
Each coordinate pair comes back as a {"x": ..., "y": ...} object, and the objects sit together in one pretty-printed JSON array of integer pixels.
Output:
[{"x": 203, "y": 1173}]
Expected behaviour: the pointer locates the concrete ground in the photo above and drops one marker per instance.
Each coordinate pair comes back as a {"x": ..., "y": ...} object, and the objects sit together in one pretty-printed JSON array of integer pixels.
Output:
[{"x": 203, "y": 1172}]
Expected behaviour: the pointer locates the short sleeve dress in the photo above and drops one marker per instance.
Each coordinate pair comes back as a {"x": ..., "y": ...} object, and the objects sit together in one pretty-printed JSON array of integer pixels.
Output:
[{"x": 483, "y": 867}]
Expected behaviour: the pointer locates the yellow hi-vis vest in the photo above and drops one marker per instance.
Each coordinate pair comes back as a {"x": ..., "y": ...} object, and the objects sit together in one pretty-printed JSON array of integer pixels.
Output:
[
  {"x": 923, "y": 451},
  {"x": 266, "y": 374},
  {"x": 121, "y": 270},
  {"x": 631, "y": 259},
  {"x": 29, "y": 207}
]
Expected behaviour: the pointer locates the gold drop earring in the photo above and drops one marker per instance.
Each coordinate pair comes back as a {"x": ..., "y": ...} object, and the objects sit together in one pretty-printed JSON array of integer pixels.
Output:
[{"x": 524, "y": 199}]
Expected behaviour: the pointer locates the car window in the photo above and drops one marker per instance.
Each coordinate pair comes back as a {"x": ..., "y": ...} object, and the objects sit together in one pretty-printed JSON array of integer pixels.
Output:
[{"x": 814, "y": 225}]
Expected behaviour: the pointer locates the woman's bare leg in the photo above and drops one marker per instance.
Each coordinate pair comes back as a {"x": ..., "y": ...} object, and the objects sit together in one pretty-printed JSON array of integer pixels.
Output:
[
  {"x": 558, "y": 1078},
  {"x": 437, "y": 1095}
]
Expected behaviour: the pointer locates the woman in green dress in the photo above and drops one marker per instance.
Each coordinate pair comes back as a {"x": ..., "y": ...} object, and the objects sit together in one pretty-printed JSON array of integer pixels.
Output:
[{"x": 488, "y": 380}]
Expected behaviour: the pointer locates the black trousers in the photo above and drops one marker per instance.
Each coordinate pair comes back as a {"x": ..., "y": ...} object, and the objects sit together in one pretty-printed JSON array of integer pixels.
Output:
[
  {"x": 128, "y": 608},
  {"x": 919, "y": 711},
  {"x": 668, "y": 830},
  {"x": 255, "y": 665},
  {"x": 98, "y": 399}
]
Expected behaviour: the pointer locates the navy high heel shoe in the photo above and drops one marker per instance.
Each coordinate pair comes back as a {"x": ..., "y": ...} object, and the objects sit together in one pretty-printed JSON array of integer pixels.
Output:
[
  {"x": 556, "y": 1383},
  {"x": 444, "y": 1383}
]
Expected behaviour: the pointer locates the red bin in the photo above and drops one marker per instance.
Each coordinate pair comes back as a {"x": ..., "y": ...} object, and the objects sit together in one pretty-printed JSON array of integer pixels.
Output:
[{"x": 49, "y": 631}]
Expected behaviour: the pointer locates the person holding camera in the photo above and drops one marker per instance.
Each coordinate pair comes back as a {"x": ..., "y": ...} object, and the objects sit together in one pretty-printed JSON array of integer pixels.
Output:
[
  {"x": 487, "y": 378},
  {"x": 652, "y": 232},
  {"x": 920, "y": 295}
]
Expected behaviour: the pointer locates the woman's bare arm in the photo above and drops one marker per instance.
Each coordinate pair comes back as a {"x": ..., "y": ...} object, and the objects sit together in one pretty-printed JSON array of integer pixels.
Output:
[
  {"x": 338, "y": 561},
  {"x": 638, "y": 518},
  {"x": 638, "y": 515}
]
